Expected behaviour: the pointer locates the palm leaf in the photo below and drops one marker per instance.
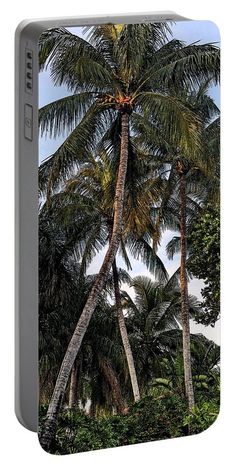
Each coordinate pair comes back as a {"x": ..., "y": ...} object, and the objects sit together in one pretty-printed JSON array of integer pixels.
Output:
[
  {"x": 74, "y": 149},
  {"x": 135, "y": 44},
  {"x": 124, "y": 254},
  {"x": 103, "y": 38},
  {"x": 61, "y": 115},
  {"x": 140, "y": 249},
  {"x": 173, "y": 247},
  {"x": 185, "y": 66},
  {"x": 180, "y": 125},
  {"x": 60, "y": 45},
  {"x": 91, "y": 75}
]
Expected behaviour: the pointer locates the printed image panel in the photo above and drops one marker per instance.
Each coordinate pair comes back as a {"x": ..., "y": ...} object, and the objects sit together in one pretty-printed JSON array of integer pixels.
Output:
[{"x": 129, "y": 289}]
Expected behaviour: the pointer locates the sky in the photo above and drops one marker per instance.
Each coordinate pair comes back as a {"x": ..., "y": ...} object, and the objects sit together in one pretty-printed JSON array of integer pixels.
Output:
[{"x": 189, "y": 32}]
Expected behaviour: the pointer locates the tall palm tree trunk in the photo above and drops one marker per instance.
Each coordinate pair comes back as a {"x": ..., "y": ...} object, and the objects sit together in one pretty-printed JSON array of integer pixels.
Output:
[
  {"x": 184, "y": 294},
  {"x": 49, "y": 428},
  {"x": 113, "y": 382},
  {"x": 124, "y": 335},
  {"x": 73, "y": 387}
]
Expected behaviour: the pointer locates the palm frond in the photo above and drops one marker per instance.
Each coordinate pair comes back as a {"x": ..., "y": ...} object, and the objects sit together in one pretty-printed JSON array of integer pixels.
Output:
[
  {"x": 95, "y": 241},
  {"x": 58, "y": 46},
  {"x": 90, "y": 75},
  {"x": 55, "y": 169},
  {"x": 173, "y": 247},
  {"x": 103, "y": 38},
  {"x": 185, "y": 66},
  {"x": 180, "y": 125},
  {"x": 144, "y": 38},
  {"x": 124, "y": 254},
  {"x": 64, "y": 114},
  {"x": 140, "y": 249}
]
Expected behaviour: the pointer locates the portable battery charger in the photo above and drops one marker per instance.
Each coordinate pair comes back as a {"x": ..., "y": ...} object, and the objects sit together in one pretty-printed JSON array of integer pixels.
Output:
[{"x": 117, "y": 229}]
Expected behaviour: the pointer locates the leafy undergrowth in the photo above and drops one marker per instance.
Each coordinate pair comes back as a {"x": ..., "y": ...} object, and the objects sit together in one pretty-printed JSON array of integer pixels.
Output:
[{"x": 148, "y": 420}]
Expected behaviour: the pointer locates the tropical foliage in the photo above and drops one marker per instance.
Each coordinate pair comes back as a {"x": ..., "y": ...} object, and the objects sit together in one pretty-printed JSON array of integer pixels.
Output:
[
  {"x": 205, "y": 262},
  {"x": 140, "y": 155}
]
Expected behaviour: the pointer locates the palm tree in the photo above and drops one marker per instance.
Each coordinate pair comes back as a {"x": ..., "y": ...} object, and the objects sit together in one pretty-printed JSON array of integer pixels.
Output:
[
  {"x": 63, "y": 250},
  {"x": 190, "y": 205},
  {"x": 184, "y": 290},
  {"x": 178, "y": 170},
  {"x": 118, "y": 70},
  {"x": 208, "y": 111},
  {"x": 124, "y": 334},
  {"x": 62, "y": 286},
  {"x": 153, "y": 319},
  {"x": 102, "y": 364},
  {"x": 93, "y": 185},
  {"x": 59, "y": 291},
  {"x": 180, "y": 244},
  {"x": 206, "y": 107},
  {"x": 182, "y": 172}
]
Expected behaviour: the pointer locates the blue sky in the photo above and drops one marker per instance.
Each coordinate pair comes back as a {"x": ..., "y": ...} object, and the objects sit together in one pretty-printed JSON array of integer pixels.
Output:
[{"x": 188, "y": 31}]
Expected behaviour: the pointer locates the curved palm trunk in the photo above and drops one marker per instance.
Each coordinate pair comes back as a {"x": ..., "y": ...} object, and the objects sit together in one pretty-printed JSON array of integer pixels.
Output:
[
  {"x": 73, "y": 387},
  {"x": 184, "y": 296},
  {"x": 113, "y": 383},
  {"x": 124, "y": 335},
  {"x": 75, "y": 343}
]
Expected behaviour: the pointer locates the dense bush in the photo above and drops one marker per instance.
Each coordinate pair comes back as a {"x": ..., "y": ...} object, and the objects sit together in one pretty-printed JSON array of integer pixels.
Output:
[
  {"x": 202, "y": 417},
  {"x": 148, "y": 420},
  {"x": 204, "y": 263}
]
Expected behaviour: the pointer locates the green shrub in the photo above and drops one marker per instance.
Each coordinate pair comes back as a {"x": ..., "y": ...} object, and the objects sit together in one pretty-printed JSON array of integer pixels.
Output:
[
  {"x": 150, "y": 419},
  {"x": 202, "y": 417}
]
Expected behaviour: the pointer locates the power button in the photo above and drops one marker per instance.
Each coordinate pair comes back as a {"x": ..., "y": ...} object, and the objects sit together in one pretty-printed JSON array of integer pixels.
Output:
[{"x": 28, "y": 122}]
